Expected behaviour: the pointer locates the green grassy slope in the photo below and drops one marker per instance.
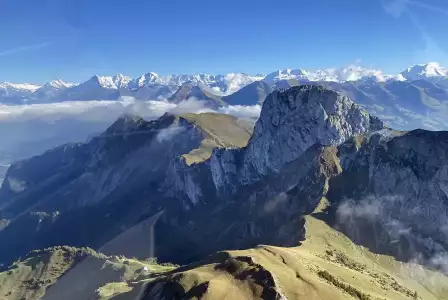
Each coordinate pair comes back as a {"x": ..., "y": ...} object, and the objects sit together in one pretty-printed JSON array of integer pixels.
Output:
[{"x": 222, "y": 131}]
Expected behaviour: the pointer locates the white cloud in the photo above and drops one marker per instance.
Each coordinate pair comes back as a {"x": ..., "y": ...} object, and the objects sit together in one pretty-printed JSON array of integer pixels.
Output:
[
  {"x": 103, "y": 111},
  {"x": 397, "y": 7},
  {"x": 354, "y": 72},
  {"x": 168, "y": 133},
  {"x": 34, "y": 128},
  {"x": 240, "y": 111},
  {"x": 431, "y": 49},
  {"x": 107, "y": 111},
  {"x": 192, "y": 105}
]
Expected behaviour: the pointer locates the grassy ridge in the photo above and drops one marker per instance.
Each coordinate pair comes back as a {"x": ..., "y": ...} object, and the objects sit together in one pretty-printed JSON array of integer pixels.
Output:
[{"x": 327, "y": 266}]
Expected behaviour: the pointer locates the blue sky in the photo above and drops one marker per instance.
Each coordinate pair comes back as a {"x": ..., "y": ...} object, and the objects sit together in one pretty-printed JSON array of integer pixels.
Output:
[{"x": 73, "y": 39}]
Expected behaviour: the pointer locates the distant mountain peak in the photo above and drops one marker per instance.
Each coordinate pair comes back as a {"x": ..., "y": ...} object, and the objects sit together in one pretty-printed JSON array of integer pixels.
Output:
[
  {"x": 106, "y": 82},
  {"x": 127, "y": 122},
  {"x": 148, "y": 78},
  {"x": 121, "y": 81},
  {"x": 151, "y": 85},
  {"x": 109, "y": 82},
  {"x": 58, "y": 84},
  {"x": 19, "y": 86},
  {"x": 425, "y": 71}
]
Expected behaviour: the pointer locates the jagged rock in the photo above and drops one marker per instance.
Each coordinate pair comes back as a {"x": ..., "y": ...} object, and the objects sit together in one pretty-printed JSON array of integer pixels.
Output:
[
  {"x": 397, "y": 180},
  {"x": 290, "y": 123}
]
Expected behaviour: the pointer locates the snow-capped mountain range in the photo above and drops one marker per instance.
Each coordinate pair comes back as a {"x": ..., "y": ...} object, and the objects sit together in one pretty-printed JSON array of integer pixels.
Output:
[
  {"x": 152, "y": 85},
  {"x": 428, "y": 71}
]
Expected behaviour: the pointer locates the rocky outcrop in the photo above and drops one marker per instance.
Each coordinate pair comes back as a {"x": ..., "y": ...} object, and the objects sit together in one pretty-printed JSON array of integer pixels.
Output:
[
  {"x": 289, "y": 124},
  {"x": 294, "y": 120},
  {"x": 394, "y": 184},
  {"x": 244, "y": 269}
]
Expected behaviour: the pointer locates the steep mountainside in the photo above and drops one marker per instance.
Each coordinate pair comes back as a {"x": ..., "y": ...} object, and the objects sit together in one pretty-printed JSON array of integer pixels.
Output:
[
  {"x": 129, "y": 161},
  {"x": 392, "y": 194},
  {"x": 96, "y": 88},
  {"x": 309, "y": 143},
  {"x": 189, "y": 90},
  {"x": 251, "y": 94},
  {"x": 95, "y": 179}
]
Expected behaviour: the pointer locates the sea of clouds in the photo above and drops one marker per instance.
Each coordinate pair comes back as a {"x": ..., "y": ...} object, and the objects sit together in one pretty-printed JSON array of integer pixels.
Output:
[{"x": 30, "y": 129}]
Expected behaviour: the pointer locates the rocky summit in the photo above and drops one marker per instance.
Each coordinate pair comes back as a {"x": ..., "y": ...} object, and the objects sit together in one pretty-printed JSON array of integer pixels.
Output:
[
  {"x": 290, "y": 123},
  {"x": 204, "y": 183}
]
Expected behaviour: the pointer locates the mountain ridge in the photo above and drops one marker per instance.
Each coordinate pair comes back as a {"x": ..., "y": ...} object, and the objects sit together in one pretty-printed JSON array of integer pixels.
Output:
[
  {"x": 97, "y": 164},
  {"x": 309, "y": 143},
  {"x": 222, "y": 85}
]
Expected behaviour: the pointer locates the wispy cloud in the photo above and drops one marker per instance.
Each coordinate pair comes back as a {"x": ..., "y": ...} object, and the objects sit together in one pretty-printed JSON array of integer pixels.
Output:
[
  {"x": 397, "y": 7},
  {"x": 24, "y": 48},
  {"x": 428, "y": 6},
  {"x": 431, "y": 51}
]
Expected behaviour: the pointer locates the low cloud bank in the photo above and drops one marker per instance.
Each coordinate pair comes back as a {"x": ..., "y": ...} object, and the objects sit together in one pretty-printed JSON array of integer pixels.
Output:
[
  {"x": 106, "y": 110},
  {"x": 28, "y": 130}
]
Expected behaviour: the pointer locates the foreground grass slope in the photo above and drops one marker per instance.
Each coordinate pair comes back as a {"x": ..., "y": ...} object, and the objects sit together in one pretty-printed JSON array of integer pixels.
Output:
[{"x": 326, "y": 266}]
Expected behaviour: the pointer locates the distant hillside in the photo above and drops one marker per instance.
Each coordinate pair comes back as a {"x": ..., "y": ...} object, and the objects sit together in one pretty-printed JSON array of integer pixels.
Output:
[
  {"x": 71, "y": 273},
  {"x": 189, "y": 90},
  {"x": 251, "y": 94}
]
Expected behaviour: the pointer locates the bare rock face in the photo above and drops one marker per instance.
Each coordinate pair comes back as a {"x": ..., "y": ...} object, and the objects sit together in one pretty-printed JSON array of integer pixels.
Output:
[
  {"x": 290, "y": 123},
  {"x": 294, "y": 120},
  {"x": 396, "y": 181}
]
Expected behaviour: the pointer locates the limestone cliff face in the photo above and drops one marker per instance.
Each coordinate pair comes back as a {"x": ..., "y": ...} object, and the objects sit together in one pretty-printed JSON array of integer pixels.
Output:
[
  {"x": 293, "y": 121},
  {"x": 289, "y": 124},
  {"x": 399, "y": 181}
]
